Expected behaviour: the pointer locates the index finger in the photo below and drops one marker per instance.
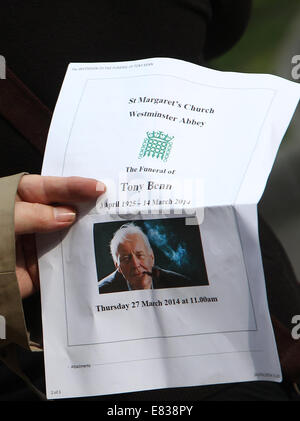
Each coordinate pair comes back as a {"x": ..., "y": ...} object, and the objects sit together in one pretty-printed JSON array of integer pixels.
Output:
[{"x": 48, "y": 189}]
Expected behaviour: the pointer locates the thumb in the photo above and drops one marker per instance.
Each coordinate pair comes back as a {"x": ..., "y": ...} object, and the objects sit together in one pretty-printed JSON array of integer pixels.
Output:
[{"x": 37, "y": 218}]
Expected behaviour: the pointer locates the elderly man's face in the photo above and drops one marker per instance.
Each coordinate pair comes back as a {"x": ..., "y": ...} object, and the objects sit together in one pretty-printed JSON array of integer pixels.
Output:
[{"x": 134, "y": 259}]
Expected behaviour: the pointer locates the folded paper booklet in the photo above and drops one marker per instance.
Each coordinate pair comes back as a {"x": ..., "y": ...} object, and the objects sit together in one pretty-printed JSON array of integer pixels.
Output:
[{"x": 160, "y": 283}]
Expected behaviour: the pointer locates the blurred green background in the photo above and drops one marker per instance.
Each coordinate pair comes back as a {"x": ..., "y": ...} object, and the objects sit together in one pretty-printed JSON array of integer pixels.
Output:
[
  {"x": 273, "y": 23},
  {"x": 267, "y": 46}
]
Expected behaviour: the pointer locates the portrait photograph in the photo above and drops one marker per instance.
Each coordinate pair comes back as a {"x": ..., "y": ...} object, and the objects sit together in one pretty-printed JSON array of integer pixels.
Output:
[{"x": 148, "y": 254}]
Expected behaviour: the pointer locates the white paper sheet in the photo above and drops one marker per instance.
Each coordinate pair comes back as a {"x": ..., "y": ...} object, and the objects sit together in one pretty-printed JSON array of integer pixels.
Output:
[{"x": 185, "y": 153}]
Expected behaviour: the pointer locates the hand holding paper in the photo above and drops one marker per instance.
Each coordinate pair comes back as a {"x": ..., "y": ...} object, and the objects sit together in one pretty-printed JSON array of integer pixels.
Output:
[{"x": 35, "y": 213}]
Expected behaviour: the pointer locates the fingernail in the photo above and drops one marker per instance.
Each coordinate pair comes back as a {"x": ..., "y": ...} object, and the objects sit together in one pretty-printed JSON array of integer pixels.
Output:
[
  {"x": 100, "y": 186},
  {"x": 64, "y": 214}
]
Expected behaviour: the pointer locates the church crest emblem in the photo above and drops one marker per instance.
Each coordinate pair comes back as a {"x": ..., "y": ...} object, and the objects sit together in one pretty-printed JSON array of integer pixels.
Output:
[{"x": 157, "y": 145}]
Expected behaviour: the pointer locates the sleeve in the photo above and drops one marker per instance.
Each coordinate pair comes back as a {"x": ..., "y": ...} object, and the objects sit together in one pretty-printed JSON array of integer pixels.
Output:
[
  {"x": 12, "y": 319},
  {"x": 229, "y": 21}
]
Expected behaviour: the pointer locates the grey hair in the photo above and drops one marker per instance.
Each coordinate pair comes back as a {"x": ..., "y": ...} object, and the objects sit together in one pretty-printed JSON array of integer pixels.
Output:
[{"x": 122, "y": 234}]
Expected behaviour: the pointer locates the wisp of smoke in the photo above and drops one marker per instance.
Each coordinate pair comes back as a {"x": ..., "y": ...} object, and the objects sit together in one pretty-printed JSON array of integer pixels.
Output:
[{"x": 158, "y": 236}]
